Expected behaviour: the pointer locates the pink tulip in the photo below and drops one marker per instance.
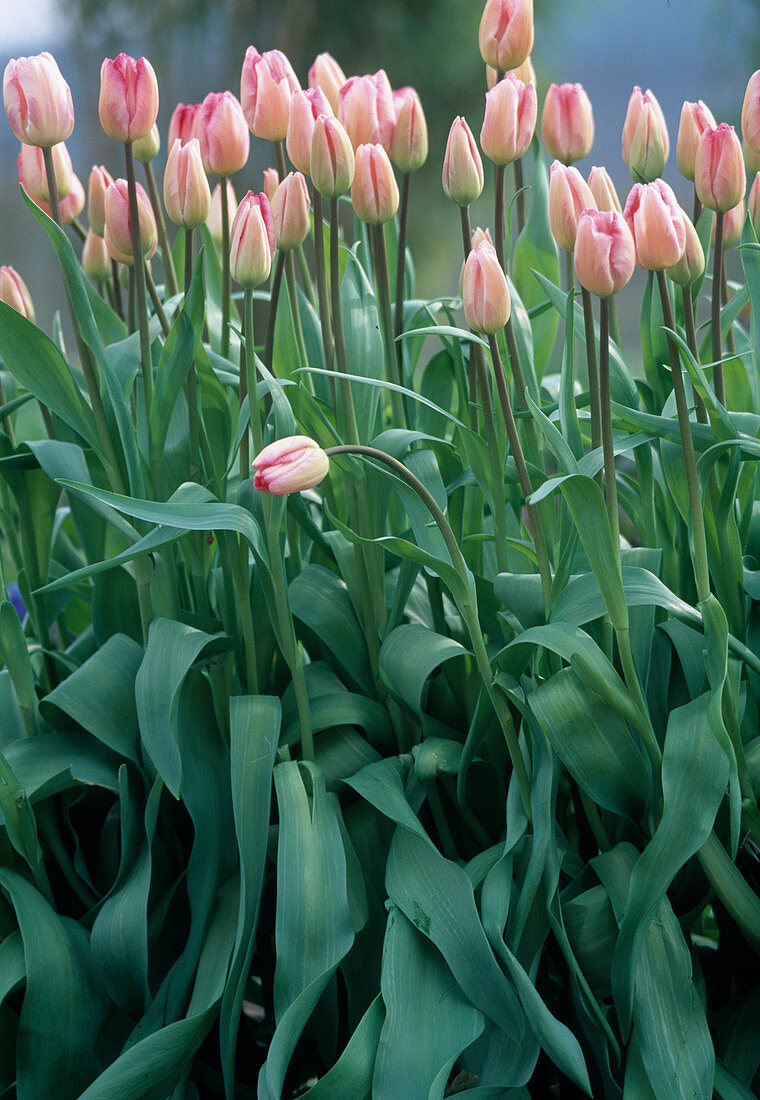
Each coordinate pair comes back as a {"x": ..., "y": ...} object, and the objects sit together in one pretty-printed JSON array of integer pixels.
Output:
[
  {"x": 332, "y": 158},
  {"x": 96, "y": 263},
  {"x": 479, "y": 236},
  {"x": 266, "y": 86},
  {"x": 37, "y": 101},
  {"x": 366, "y": 110},
  {"x": 182, "y": 124},
  {"x": 525, "y": 72},
  {"x": 567, "y": 122},
  {"x": 656, "y": 221},
  {"x": 99, "y": 182},
  {"x": 374, "y": 192},
  {"x": 603, "y": 190},
  {"x": 31, "y": 171},
  {"x": 252, "y": 241},
  {"x": 645, "y": 136},
  {"x": 505, "y": 37},
  {"x": 605, "y": 254},
  {"x": 290, "y": 465},
  {"x": 290, "y": 212},
  {"x": 128, "y": 103},
  {"x": 118, "y": 228},
  {"x": 753, "y": 204},
  {"x": 719, "y": 176},
  {"x": 214, "y": 219},
  {"x": 751, "y": 120},
  {"x": 327, "y": 75},
  {"x": 462, "y": 166},
  {"x": 510, "y": 120},
  {"x": 271, "y": 182},
  {"x": 695, "y": 119},
  {"x": 223, "y": 134},
  {"x": 72, "y": 204},
  {"x": 691, "y": 265},
  {"x": 733, "y": 224},
  {"x": 305, "y": 108},
  {"x": 485, "y": 294},
  {"x": 569, "y": 195},
  {"x": 409, "y": 144},
  {"x": 14, "y": 293},
  {"x": 187, "y": 196}
]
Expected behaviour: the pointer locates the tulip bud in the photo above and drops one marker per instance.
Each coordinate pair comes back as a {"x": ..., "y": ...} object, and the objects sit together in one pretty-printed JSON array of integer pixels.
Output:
[
  {"x": 733, "y": 223},
  {"x": 462, "y": 166},
  {"x": 567, "y": 122},
  {"x": 691, "y": 265},
  {"x": 374, "y": 192},
  {"x": 99, "y": 182},
  {"x": 187, "y": 195},
  {"x": 32, "y": 173},
  {"x": 128, "y": 103},
  {"x": 252, "y": 241},
  {"x": 305, "y": 109},
  {"x": 327, "y": 75},
  {"x": 719, "y": 176},
  {"x": 645, "y": 137},
  {"x": 605, "y": 254},
  {"x": 146, "y": 148},
  {"x": 37, "y": 101},
  {"x": 332, "y": 158},
  {"x": 271, "y": 182},
  {"x": 569, "y": 195},
  {"x": 14, "y": 293},
  {"x": 751, "y": 121},
  {"x": 266, "y": 86},
  {"x": 290, "y": 465},
  {"x": 118, "y": 231},
  {"x": 366, "y": 110},
  {"x": 753, "y": 204},
  {"x": 183, "y": 122},
  {"x": 695, "y": 119},
  {"x": 525, "y": 72},
  {"x": 603, "y": 190},
  {"x": 510, "y": 119},
  {"x": 214, "y": 219},
  {"x": 479, "y": 236},
  {"x": 223, "y": 134},
  {"x": 409, "y": 144},
  {"x": 656, "y": 221},
  {"x": 505, "y": 37},
  {"x": 290, "y": 212},
  {"x": 96, "y": 262},
  {"x": 72, "y": 205},
  {"x": 485, "y": 294}
]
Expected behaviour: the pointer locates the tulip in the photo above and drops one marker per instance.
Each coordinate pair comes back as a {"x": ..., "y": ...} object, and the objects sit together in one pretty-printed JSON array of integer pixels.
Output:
[
  {"x": 569, "y": 195},
  {"x": 128, "y": 103},
  {"x": 462, "y": 166},
  {"x": 753, "y": 204},
  {"x": 485, "y": 294},
  {"x": 37, "y": 101},
  {"x": 409, "y": 144},
  {"x": 99, "y": 182},
  {"x": 603, "y": 190},
  {"x": 332, "y": 158},
  {"x": 327, "y": 75},
  {"x": 187, "y": 195},
  {"x": 479, "y": 236},
  {"x": 223, "y": 134},
  {"x": 751, "y": 121},
  {"x": 510, "y": 120},
  {"x": 290, "y": 465},
  {"x": 656, "y": 221},
  {"x": 214, "y": 219},
  {"x": 305, "y": 108},
  {"x": 182, "y": 124},
  {"x": 72, "y": 205},
  {"x": 96, "y": 261},
  {"x": 14, "y": 293},
  {"x": 645, "y": 136},
  {"x": 525, "y": 72},
  {"x": 32, "y": 173},
  {"x": 118, "y": 226},
  {"x": 719, "y": 175},
  {"x": 605, "y": 254},
  {"x": 266, "y": 86},
  {"x": 567, "y": 122},
  {"x": 733, "y": 223},
  {"x": 695, "y": 119},
  {"x": 691, "y": 265},
  {"x": 505, "y": 37},
  {"x": 146, "y": 148},
  {"x": 290, "y": 212},
  {"x": 366, "y": 110},
  {"x": 252, "y": 241},
  {"x": 271, "y": 182},
  {"x": 374, "y": 192}
]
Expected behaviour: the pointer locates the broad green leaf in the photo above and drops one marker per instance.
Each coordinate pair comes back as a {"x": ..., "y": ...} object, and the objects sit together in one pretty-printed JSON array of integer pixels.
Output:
[
  {"x": 53, "y": 762},
  {"x": 320, "y": 600},
  {"x": 364, "y": 345},
  {"x": 352, "y": 1073},
  {"x": 536, "y": 251},
  {"x": 408, "y": 657},
  {"x": 15, "y": 655}
]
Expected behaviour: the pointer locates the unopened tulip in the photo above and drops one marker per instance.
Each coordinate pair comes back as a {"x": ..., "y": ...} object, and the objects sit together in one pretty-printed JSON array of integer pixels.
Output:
[
  {"x": 409, "y": 144},
  {"x": 505, "y": 37},
  {"x": 290, "y": 465},
  {"x": 327, "y": 75},
  {"x": 603, "y": 190},
  {"x": 14, "y": 293},
  {"x": 146, "y": 148},
  {"x": 733, "y": 223},
  {"x": 214, "y": 219},
  {"x": 374, "y": 192},
  {"x": 37, "y": 101},
  {"x": 567, "y": 122},
  {"x": 271, "y": 182},
  {"x": 266, "y": 86},
  {"x": 183, "y": 122},
  {"x": 187, "y": 195},
  {"x": 510, "y": 120},
  {"x": 525, "y": 72},
  {"x": 751, "y": 122},
  {"x": 695, "y": 119},
  {"x": 485, "y": 294},
  {"x": 753, "y": 204},
  {"x": 31, "y": 171},
  {"x": 99, "y": 182},
  {"x": 645, "y": 137},
  {"x": 462, "y": 166},
  {"x": 569, "y": 195},
  {"x": 290, "y": 212},
  {"x": 223, "y": 134},
  {"x": 691, "y": 265},
  {"x": 252, "y": 241},
  {"x": 118, "y": 231},
  {"x": 332, "y": 158},
  {"x": 96, "y": 262},
  {"x": 479, "y": 236},
  {"x": 72, "y": 205},
  {"x": 305, "y": 108},
  {"x": 719, "y": 176},
  {"x": 605, "y": 255},
  {"x": 366, "y": 110},
  {"x": 128, "y": 103},
  {"x": 656, "y": 221}
]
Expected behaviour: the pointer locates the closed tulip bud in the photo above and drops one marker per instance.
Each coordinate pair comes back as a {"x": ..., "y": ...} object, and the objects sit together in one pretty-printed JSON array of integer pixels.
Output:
[
  {"x": 305, "y": 108},
  {"x": 569, "y": 195},
  {"x": 252, "y": 241},
  {"x": 505, "y": 37},
  {"x": 214, "y": 219},
  {"x": 118, "y": 230},
  {"x": 656, "y": 221},
  {"x": 691, "y": 265},
  {"x": 733, "y": 223},
  {"x": 485, "y": 294},
  {"x": 72, "y": 204},
  {"x": 290, "y": 465},
  {"x": 753, "y": 204},
  {"x": 409, "y": 144},
  {"x": 332, "y": 158},
  {"x": 183, "y": 122},
  {"x": 462, "y": 166},
  {"x": 266, "y": 86},
  {"x": 223, "y": 134},
  {"x": 605, "y": 254},
  {"x": 271, "y": 182},
  {"x": 479, "y": 236},
  {"x": 366, "y": 110},
  {"x": 751, "y": 121},
  {"x": 37, "y": 101},
  {"x": 327, "y": 75},
  {"x": 603, "y": 190},
  {"x": 14, "y": 293},
  {"x": 96, "y": 262},
  {"x": 510, "y": 120},
  {"x": 187, "y": 196},
  {"x": 128, "y": 103},
  {"x": 146, "y": 148},
  {"x": 567, "y": 122},
  {"x": 99, "y": 182},
  {"x": 31, "y": 171},
  {"x": 374, "y": 192},
  {"x": 695, "y": 119},
  {"x": 525, "y": 72},
  {"x": 719, "y": 176},
  {"x": 645, "y": 137},
  {"x": 290, "y": 212}
]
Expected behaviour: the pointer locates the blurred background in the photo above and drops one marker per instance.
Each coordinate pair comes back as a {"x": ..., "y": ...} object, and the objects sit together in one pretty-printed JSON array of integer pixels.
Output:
[{"x": 681, "y": 49}]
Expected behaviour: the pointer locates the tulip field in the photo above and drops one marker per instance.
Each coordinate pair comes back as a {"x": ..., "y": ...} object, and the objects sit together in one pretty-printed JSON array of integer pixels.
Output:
[{"x": 380, "y": 675}]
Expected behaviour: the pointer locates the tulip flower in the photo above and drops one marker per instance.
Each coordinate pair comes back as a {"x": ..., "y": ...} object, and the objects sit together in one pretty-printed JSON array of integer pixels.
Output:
[
  {"x": 252, "y": 241},
  {"x": 462, "y": 166},
  {"x": 214, "y": 219},
  {"x": 14, "y": 293},
  {"x": 32, "y": 173},
  {"x": 409, "y": 144},
  {"x": 719, "y": 175},
  {"x": 479, "y": 236},
  {"x": 603, "y": 190},
  {"x": 753, "y": 204},
  {"x": 37, "y": 101},
  {"x": 118, "y": 225},
  {"x": 182, "y": 124},
  {"x": 605, "y": 255},
  {"x": 750, "y": 122},
  {"x": 96, "y": 262},
  {"x": 222, "y": 131},
  {"x": 266, "y": 86},
  {"x": 733, "y": 224},
  {"x": 146, "y": 148},
  {"x": 485, "y": 294},
  {"x": 374, "y": 192},
  {"x": 695, "y": 119},
  {"x": 569, "y": 195},
  {"x": 187, "y": 195},
  {"x": 305, "y": 108},
  {"x": 525, "y": 72},
  {"x": 99, "y": 182},
  {"x": 510, "y": 120},
  {"x": 72, "y": 205},
  {"x": 128, "y": 103},
  {"x": 645, "y": 137},
  {"x": 691, "y": 265},
  {"x": 271, "y": 182},
  {"x": 290, "y": 465},
  {"x": 366, "y": 110},
  {"x": 656, "y": 221},
  {"x": 327, "y": 75},
  {"x": 290, "y": 212},
  {"x": 567, "y": 122},
  {"x": 505, "y": 37},
  {"x": 332, "y": 158}
]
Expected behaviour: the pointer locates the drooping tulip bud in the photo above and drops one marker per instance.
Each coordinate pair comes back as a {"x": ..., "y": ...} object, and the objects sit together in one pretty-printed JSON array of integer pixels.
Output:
[
  {"x": 187, "y": 195},
  {"x": 214, "y": 219},
  {"x": 305, "y": 108},
  {"x": 691, "y": 265},
  {"x": 751, "y": 122},
  {"x": 332, "y": 158},
  {"x": 656, "y": 221},
  {"x": 223, "y": 134},
  {"x": 271, "y": 182},
  {"x": 719, "y": 176},
  {"x": 290, "y": 212},
  {"x": 753, "y": 204},
  {"x": 733, "y": 223},
  {"x": 409, "y": 144},
  {"x": 462, "y": 166},
  {"x": 266, "y": 86},
  {"x": 567, "y": 122},
  {"x": 72, "y": 205},
  {"x": 99, "y": 182},
  {"x": 31, "y": 171},
  {"x": 603, "y": 190},
  {"x": 183, "y": 122},
  {"x": 146, "y": 148},
  {"x": 128, "y": 103},
  {"x": 366, "y": 110},
  {"x": 290, "y": 465},
  {"x": 118, "y": 229},
  {"x": 485, "y": 294},
  {"x": 645, "y": 137},
  {"x": 569, "y": 196},
  {"x": 252, "y": 241},
  {"x": 37, "y": 101},
  {"x": 14, "y": 293},
  {"x": 374, "y": 192},
  {"x": 510, "y": 120},
  {"x": 605, "y": 255},
  {"x": 505, "y": 37},
  {"x": 96, "y": 262},
  {"x": 695, "y": 119},
  {"x": 327, "y": 75}
]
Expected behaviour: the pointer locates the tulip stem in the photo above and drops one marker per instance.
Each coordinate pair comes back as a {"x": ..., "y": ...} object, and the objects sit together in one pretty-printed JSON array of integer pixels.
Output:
[
  {"x": 252, "y": 375},
  {"x": 279, "y": 156},
  {"x": 593, "y": 373},
  {"x": 156, "y": 300},
  {"x": 274, "y": 300},
  {"x": 303, "y": 267},
  {"x": 498, "y": 218},
  {"x": 295, "y": 312},
  {"x": 226, "y": 287},
  {"x": 496, "y": 459},
  {"x": 350, "y": 427},
  {"x": 79, "y": 229},
  {"x": 403, "y": 218},
  {"x": 116, "y": 287},
  {"x": 55, "y": 205},
  {"x": 718, "y": 381},
  {"x": 139, "y": 272},
  {"x": 321, "y": 271},
  {"x": 475, "y": 349},
  {"x": 163, "y": 240},
  {"x": 191, "y": 393},
  {"x": 610, "y": 481},
  {"x": 520, "y": 193},
  {"x": 382, "y": 282}
]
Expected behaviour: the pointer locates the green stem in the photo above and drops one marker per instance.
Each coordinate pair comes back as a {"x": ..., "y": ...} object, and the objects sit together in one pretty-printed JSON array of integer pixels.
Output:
[
  {"x": 382, "y": 282},
  {"x": 308, "y": 285},
  {"x": 163, "y": 240},
  {"x": 242, "y": 586},
  {"x": 464, "y": 222},
  {"x": 520, "y": 204},
  {"x": 610, "y": 480},
  {"x": 146, "y": 364},
  {"x": 279, "y": 156},
  {"x": 226, "y": 287},
  {"x": 497, "y": 463},
  {"x": 274, "y": 301},
  {"x": 717, "y": 343},
  {"x": 593, "y": 373},
  {"x": 191, "y": 381},
  {"x": 157, "y": 303},
  {"x": 295, "y": 311},
  {"x": 322, "y": 291},
  {"x": 116, "y": 288},
  {"x": 252, "y": 375},
  {"x": 499, "y": 225},
  {"x": 350, "y": 427},
  {"x": 55, "y": 205},
  {"x": 398, "y": 317}
]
